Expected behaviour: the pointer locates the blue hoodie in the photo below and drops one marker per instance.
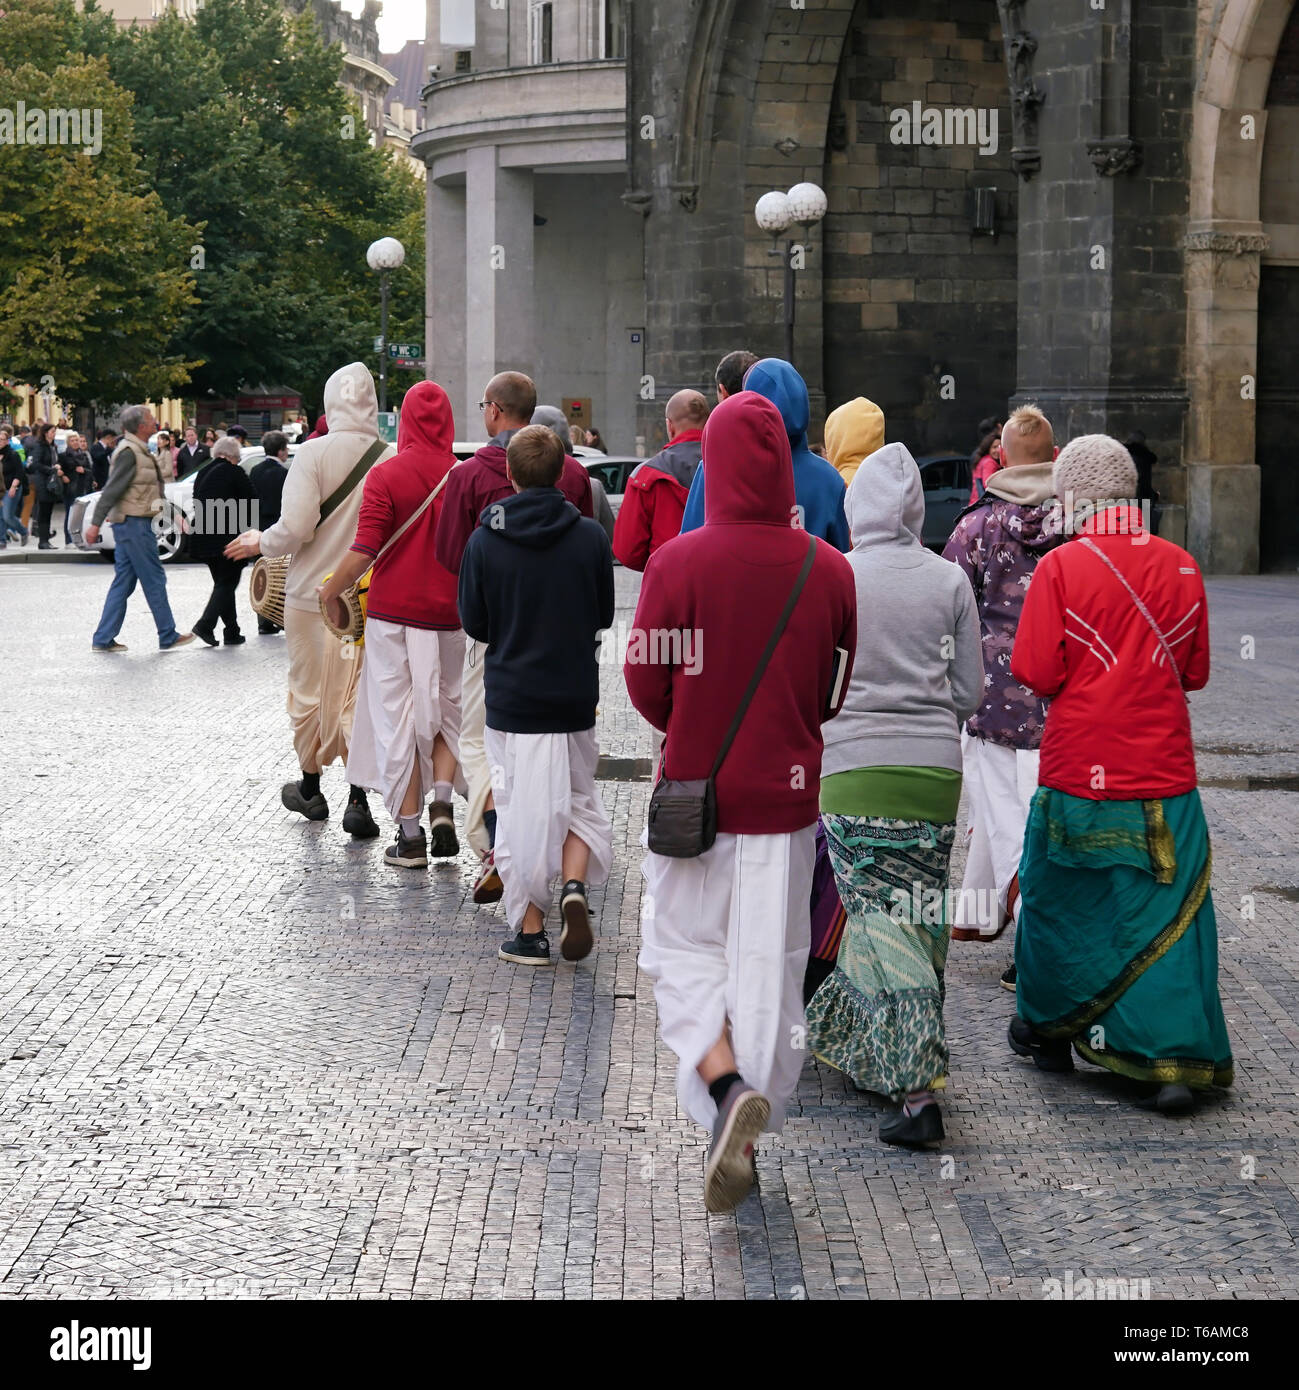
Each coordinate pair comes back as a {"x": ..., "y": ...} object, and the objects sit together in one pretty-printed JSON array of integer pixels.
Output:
[{"x": 818, "y": 488}]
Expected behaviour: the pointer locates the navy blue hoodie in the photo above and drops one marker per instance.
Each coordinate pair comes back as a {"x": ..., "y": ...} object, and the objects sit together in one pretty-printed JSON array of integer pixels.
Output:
[{"x": 536, "y": 584}]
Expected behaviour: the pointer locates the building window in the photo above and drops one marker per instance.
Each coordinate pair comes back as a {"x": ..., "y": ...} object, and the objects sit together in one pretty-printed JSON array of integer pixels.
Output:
[
  {"x": 541, "y": 31},
  {"x": 614, "y": 39},
  {"x": 463, "y": 58}
]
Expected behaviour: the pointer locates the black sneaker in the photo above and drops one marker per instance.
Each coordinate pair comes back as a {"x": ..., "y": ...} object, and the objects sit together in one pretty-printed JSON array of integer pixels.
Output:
[
  {"x": 1009, "y": 978},
  {"x": 407, "y": 853},
  {"x": 358, "y": 822},
  {"x": 442, "y": 831},
  {"x": 729, "y": 1169},
  {"x": 313, "y": 807},
  {"x": 527, "y": 950},
  {"x": 235, "y": 639},
  {"x": 205, "y": 634},
  {"x": 575, "y": 939},
  {"x": 265, "y": 629}
]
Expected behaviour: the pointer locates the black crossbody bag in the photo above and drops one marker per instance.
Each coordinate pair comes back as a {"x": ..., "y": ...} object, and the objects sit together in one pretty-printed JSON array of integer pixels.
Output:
[{"x": 683, "y": 815}]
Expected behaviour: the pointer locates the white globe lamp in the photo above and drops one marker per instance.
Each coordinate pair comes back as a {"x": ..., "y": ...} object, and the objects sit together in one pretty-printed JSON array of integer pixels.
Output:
[
  {"x": 386, "y": 254},
  {"x": 773, "y": 212},
  {"x": 807, "y": 203}
]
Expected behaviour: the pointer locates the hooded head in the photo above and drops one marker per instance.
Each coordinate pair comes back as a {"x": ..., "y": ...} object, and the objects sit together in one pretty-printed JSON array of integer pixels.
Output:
[
  {"x": 885, "y": 502},
  {"x": 786, "y": 390},
  {"x": 554, "y": 420},
  {"x": 853, "y": 432},
  {"x": 351, "y": 403},
  {"x": 749, "y": 477},
  {"x": 426, "y": 420}
]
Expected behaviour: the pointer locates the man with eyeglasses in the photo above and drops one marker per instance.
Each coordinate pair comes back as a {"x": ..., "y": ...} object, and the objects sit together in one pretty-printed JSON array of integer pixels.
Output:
[{"x": 507, "y": 406}]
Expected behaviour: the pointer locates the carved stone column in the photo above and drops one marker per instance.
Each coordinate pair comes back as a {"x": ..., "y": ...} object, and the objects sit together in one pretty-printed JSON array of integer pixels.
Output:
[{"x": 1222, "y": 277}]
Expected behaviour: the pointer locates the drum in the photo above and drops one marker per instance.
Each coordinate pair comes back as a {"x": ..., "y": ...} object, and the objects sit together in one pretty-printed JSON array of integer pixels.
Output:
[
  {"x": 355, "y": 601},
  {"x": 266, "y": 587}
]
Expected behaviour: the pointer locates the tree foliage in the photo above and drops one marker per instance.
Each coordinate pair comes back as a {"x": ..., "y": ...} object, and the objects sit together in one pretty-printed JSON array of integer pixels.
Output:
[{"x": 93, "y": 284}]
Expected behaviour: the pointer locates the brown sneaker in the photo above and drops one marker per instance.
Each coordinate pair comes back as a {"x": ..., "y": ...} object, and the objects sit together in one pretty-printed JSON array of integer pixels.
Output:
[
  {"x": 110, "y": 647},
  {"x": 182, "y": 641},
  {"x": 488, "y": 887},
  {"x": 442, "y": 831},
  {"x": 729, "y": 1169}
]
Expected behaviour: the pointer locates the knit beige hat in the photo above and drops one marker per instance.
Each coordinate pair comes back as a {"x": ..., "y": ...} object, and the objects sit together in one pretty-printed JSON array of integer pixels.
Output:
[{"x": 1094, "y": 468}]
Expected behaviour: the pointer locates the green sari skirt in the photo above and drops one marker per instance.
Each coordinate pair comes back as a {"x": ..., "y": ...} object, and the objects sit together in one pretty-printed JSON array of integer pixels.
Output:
[
  {"x": 1117, "y": 946},
  {"x": 879, "y": 1016}
]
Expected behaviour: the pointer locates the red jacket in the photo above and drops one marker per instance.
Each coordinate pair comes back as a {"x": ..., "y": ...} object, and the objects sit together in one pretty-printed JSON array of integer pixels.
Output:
[
  {"x": 1118, "y": 727},
  {"x": 482, "y": 480},
  {"x": 409, "y": 586},
  {"x": 655, "y": 500},
  {"x": 720, "y": 589}
]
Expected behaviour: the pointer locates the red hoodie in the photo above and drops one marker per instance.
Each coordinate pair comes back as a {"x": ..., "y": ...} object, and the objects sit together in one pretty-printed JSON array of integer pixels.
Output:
[
  {"x": 1118, "y": 727},
  {"x": 721, "y": 588},
  {"x": 409, "y": 586},
  {"x": 482, "y": 480},
  {"x": 655, "y": 500}
]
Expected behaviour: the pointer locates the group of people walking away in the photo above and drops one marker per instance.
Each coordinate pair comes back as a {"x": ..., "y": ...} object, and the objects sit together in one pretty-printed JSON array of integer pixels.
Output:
[{"x": 822, "y": 687}]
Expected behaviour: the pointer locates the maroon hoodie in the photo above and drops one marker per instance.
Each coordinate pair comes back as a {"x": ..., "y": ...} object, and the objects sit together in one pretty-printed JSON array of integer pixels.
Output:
[
  {"x": 482, "y": 480},
  {"x": 722, "y": 588}
]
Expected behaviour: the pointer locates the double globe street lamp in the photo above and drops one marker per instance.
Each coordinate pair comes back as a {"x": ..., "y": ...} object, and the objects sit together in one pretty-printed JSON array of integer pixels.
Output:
[
  {"x": 385, "y": 255},
  {"x": 776, "y": 212}
]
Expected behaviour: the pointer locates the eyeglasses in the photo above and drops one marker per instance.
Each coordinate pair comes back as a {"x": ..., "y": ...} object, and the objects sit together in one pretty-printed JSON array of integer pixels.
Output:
[{"x": 482, "y": 405}]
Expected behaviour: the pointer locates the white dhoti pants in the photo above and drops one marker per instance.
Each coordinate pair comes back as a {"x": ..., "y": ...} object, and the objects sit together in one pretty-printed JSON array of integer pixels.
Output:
[
  {"x": 324, "y": 672},
  {"x": 1000, "y": 783},
  {"x": 473, "y": 755},
  {"x": 726, "y": 936},
  {"x": 544, "y": 786},
  {"x": 410, "y": 693}
]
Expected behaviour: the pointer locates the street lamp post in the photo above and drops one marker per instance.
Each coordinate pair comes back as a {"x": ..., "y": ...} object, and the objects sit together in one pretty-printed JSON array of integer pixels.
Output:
[
  {"x": 776, "y": 212},
  {"x": 385, "y": 255}
]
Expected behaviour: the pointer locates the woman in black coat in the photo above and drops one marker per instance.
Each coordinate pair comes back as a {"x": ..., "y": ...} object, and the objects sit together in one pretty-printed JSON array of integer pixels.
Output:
[
  {"x": 223, "y": 497},
  {"x": 79, "y": 470},
  {"x": 48, "y": 480}
]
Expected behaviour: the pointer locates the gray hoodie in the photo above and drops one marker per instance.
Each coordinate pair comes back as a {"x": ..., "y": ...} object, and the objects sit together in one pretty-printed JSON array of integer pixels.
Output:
[{"x": 918, "y": 673}]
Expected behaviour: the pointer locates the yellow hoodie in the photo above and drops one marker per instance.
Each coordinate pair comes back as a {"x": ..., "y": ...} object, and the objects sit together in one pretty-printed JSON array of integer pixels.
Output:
[{"x": 852, "y": 433}]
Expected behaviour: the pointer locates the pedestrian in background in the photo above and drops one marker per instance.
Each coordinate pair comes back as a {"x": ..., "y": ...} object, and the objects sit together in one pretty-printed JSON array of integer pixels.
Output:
[
  {"x": 853, "y": 432},
  {"x": 1117, "y": 949},
  {"x": 594, "y": 441},
  {"x": 101, "y": 453},
  {"x": 134, "y": 495},
  {"x": 655, "y": 501},
  {"x": 267, "y": 478},
  {"x": 191, "y": 453},
  {"x": 989, "y": 461},
  {"x": 166, "y": 456},
  {"x": 890, "y": 787},
  {"x": 48, "y": 482},
  {"x": 79, "y": 472},
  {"x": 223, "y": 507},
  {"x": 15, "y": 489},
  {"x": 728, "y": 379},
  {"x": 556, "y": 422},
  {"x": 998, "y": 543}
]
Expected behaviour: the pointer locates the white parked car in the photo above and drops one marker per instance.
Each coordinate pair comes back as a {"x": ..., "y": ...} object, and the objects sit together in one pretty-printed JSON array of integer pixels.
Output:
[{"x": 180, "y": 496}]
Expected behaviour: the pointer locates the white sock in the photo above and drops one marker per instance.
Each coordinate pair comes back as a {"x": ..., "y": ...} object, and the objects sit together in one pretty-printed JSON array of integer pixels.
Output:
[
  {"x": 409, "y": 826},
  {"x": 442, "y": 791}
]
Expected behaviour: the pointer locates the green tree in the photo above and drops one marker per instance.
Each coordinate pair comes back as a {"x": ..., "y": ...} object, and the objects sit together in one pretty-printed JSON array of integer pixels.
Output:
[
  {"x": 93, "y": 280},
  {"x": 241, "y": 126}
]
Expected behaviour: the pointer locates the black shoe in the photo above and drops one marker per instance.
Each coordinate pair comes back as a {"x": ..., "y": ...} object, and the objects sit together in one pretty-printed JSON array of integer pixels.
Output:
[
  {"x": 206, "y": 634},
  {"x": 313, "y": 807},
  {"x": 523, "y": 949},
  {"x": 729, "y": 1168},
  {"x": 358, "y": 822},
  {"x": 575, "y": 939},
  {"x": 913, "y": 1131},
  {"x": 1049, "y": 1054},
  {"x": 1173, "y": 1100},
  {"x": 265, "y": 629},
  {"x": 237, "y": 640},
  {"x": 45, "y": 545},
  {"x": 1009, "y": 978},
  {"x": 442, "y": 831},
  {"x": 407, "y": 853}
]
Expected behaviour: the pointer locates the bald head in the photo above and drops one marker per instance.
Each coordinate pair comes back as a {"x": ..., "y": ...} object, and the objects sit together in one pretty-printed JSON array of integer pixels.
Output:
[
  {"x": 511, "y": 398},
  {"x": 687, "y": 410},
  {"x": 1026, "y": 438}
]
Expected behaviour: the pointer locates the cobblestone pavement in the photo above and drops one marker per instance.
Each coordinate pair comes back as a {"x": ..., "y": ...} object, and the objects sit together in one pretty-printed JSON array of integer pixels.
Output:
[{"x": 242, "y": 1057}]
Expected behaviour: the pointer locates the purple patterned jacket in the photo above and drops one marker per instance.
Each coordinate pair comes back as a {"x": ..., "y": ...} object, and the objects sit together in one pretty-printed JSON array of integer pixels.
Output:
[{"x": 998, "y": 542}]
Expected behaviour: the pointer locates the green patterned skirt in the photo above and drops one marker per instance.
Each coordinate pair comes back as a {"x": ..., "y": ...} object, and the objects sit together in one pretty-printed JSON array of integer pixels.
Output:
[{"x": 879, "y": 1016}]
